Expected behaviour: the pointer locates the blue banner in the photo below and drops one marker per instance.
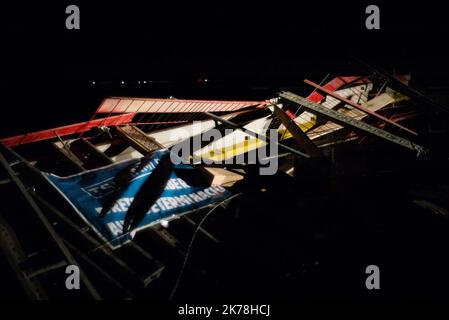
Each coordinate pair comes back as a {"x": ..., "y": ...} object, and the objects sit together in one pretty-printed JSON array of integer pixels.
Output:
[{"x": 89, "y": 191}]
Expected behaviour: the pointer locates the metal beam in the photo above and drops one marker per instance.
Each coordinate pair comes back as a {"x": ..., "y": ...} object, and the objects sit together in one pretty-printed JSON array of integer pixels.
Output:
[
  {"x": 124, "y": 268},
  {"x": 344, "y": 120},
  {"x": 258, "y": 136},
  {"x": 89, "y": 154},
  {"x": 65, "y": 251},
  {"x": 47, "y": 269},
  {"x": 13, "y": 252},
  {"x": 100, "y": 270},
  {"x": 144, "y": 144},
  {"x": 300, "y": 137},
  {"x": 358, "y": 107},
  {"x": 138, "y": 139},
  {"x": 70, "y": 157}
]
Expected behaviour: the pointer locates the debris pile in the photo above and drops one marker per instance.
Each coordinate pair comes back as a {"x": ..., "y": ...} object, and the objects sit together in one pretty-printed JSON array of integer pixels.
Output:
[{"x": 122, "y": 194}]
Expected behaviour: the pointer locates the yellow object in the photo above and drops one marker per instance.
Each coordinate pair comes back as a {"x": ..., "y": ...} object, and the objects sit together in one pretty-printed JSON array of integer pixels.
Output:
[{"x": 250, "y": 143}]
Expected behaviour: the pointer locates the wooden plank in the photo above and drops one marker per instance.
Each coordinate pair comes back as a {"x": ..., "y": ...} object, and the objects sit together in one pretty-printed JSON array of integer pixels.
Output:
[
  {"x": 379, "y": 102},
  {"x": 48, "y": 268}
]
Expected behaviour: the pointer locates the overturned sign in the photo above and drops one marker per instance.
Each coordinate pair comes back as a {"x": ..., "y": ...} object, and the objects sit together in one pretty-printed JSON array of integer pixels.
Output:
[{"x": 90, "y": 195}]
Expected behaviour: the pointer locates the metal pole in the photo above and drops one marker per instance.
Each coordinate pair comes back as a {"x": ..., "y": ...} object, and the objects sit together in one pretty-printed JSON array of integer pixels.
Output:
[
  {"x": 251, "y": 133},
  {"x": 48, "y": 226}
]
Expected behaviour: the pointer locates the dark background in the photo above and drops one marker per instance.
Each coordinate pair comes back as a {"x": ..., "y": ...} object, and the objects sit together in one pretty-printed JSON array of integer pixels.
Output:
[{"x": 246, "y": 50}]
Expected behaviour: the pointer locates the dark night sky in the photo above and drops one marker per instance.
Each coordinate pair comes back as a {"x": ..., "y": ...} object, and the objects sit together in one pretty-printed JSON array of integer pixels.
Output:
[{"x": 237, "y": 46}]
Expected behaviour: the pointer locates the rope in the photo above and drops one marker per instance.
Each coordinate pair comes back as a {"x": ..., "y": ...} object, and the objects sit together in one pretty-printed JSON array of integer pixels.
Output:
[{"x": 193, "y": 239}]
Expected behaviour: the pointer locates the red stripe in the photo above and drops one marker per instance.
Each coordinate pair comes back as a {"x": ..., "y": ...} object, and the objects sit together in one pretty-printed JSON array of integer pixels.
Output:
[
  {"x": 181, "y": 107},
  {"x": 66, "y": 130}
]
